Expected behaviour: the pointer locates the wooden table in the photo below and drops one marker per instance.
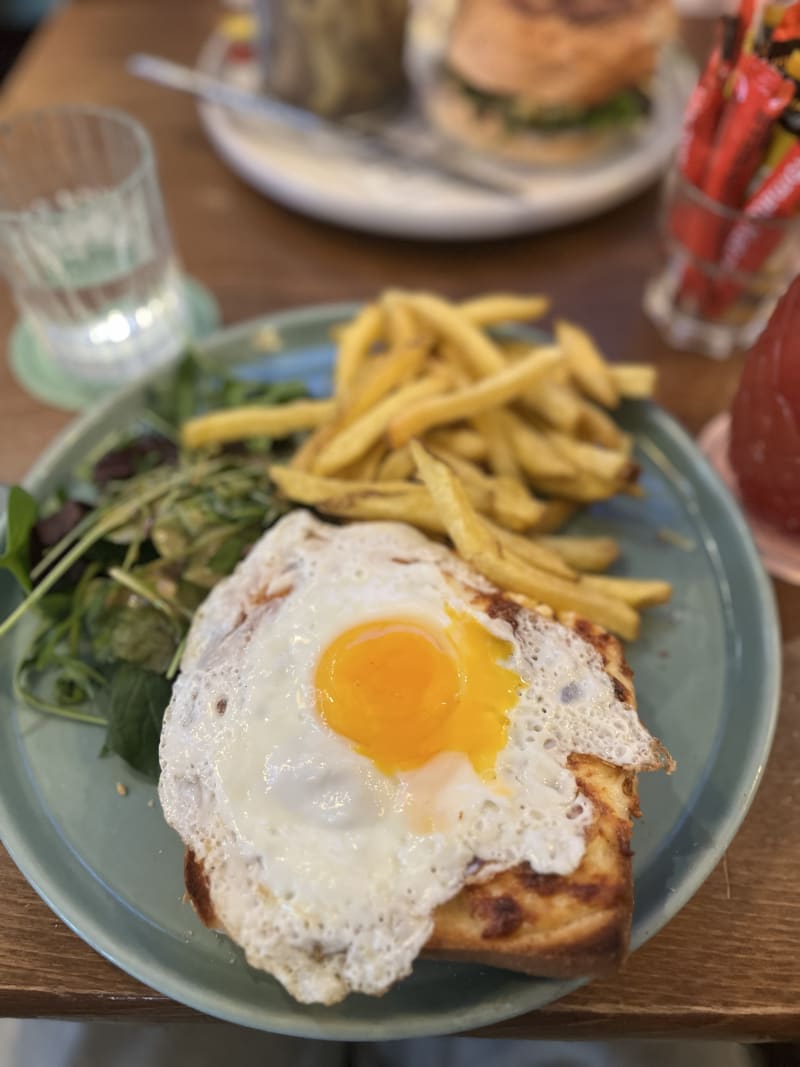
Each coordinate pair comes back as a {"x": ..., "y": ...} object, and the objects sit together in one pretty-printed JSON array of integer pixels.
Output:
[{"x": 728, "y": 964}]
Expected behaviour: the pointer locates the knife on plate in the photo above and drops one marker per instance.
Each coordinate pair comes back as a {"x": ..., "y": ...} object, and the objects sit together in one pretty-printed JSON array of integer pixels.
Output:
[{"x": 363, "y": 131}]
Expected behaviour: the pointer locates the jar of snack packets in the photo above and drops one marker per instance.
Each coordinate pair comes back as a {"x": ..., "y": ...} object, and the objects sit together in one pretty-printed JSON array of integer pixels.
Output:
[{"x": 731, "y": 219}]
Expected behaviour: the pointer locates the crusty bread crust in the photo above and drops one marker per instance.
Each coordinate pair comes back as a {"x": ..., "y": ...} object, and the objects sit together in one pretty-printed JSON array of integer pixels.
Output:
[
  {"x": 558, "y": 53},
  {"x": 563, "y": 926},
  {"x": 554, "y": 925}
]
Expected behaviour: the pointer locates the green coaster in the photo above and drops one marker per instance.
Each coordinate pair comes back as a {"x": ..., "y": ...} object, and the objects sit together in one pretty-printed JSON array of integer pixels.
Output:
[{"x": 34, "y": 369}]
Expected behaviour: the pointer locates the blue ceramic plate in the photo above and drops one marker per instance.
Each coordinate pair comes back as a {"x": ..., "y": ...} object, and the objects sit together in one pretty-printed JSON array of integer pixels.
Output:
[{"x": 707, "y": 674}]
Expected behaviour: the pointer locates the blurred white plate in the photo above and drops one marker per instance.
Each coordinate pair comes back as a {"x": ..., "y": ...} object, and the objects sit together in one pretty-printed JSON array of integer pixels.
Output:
[{"x": 319, "y": 175}]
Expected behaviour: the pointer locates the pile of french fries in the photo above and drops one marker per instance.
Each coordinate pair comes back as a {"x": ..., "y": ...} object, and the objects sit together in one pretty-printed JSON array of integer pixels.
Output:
[{"x": 439, "y": 421}]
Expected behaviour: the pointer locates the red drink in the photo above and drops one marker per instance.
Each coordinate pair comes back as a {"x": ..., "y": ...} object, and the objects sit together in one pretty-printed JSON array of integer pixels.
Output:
[{"x": 765, "y": 419}]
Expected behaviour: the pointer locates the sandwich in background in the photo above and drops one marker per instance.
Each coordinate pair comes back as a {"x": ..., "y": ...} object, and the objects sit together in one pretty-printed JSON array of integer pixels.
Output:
[{"x": 547, "y": 82}]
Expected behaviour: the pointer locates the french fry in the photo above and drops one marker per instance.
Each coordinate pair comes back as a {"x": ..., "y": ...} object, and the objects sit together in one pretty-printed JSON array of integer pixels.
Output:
[
  {"x": 366, "y": 467},
  {"x": 449, "y": 497},
  {"x": 466, "y": 443},
  {"x": 397, "y": 466},
  {"x": 411, "y": 505},
  {"x": 581, "y": 488},
  {"x": 354, "y": 440},
  {"x": 600, "y": 429},
  {"x": 379, "y": 377},
  {"x": 478, "y": 351},
  {"x": 513, "y": 506},
  {"x": 360, "y": 499},
  {"x": 637, "y": 592},
  {"x": 582, "y": 553},
  {"x": 534, "y": 452},
  {"x": 532, "y": 551},
  {"x": 303, "y": 458},
  {"x": 491, "y": 392},
  {"x": 354, "y": 344},
  {"x": 390, "y": 501},
  {"x": 504, "y": 498},
  {"x": 558, "y": 405},
  {"x": 237, "y": 424},
  {"x": 600, "y": 462},
  {"x": 635, "y": 381},
  {"x": 493, "y": 429},
  {"x": 476, "y": 544},
  {"x": 555, "y": 514},
  {"x": 422, "y": 391},
  {"x": 495, "y": 308},
  {"x": 453, "y": 359},
  {"x": 514, "y": 574},
  {"x": 308, "y": 488},
  {"x": 586, "y": 365},
  {"x": 401, "y": 325}
]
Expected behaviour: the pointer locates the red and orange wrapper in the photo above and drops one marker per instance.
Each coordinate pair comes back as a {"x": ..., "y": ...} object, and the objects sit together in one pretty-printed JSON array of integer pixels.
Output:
[
  {"x": 730, "y": 122},
  {"x": 760, "y": 94},
  {"x": 707, "y": 101},
  {"x": 701, "y": 120},
  {"x": 748, "y": 245},
  {"x": 787, "y": 32}
]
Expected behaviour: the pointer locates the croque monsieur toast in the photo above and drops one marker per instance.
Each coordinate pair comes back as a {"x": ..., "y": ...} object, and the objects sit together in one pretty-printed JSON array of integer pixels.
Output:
[
  {"x": 541, "y": 924},
  {"x": 549, "y": 925},
  {"x": 524, "y": 865}
]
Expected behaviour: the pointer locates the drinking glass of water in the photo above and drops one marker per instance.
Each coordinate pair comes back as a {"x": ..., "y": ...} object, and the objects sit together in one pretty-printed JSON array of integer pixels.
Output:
[{"x": 84, "y": 242}]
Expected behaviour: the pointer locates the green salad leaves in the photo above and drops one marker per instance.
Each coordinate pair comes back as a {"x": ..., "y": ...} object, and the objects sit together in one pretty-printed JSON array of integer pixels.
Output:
[
  {"x": 21, "y": 518},
  {"x": 122, "y": 558}
]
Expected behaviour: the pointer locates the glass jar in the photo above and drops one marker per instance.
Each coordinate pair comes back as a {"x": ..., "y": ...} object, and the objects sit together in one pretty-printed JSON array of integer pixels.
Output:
[
  {"x": 721, "y": 272},
  {"x": 334, "y": 57}
]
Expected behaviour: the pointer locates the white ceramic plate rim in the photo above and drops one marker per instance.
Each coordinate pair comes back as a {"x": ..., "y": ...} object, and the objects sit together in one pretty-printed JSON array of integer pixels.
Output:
[{"x": 440, "y": 209}]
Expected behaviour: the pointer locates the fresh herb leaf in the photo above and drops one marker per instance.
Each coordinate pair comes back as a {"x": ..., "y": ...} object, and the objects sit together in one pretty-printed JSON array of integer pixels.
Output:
[
  {"x": 20, "y": 519},
  {"x": 197, "y": 386},
  {"x": 176, "y": 401},
  {"x": 230, "y": 552},
  {"x": 141, "y": 635},
  {"x": 137, "y": 701},
  {"x": 105, "y": 521},
  {"x": 259, "y": 446},
  {"x": 279, "y": 393}
]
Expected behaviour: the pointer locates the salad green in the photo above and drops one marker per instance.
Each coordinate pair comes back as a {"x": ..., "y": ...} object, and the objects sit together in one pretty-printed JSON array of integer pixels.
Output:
[
  {"x": 115, "y": 566},
  {"x": 623, "y": 108}
]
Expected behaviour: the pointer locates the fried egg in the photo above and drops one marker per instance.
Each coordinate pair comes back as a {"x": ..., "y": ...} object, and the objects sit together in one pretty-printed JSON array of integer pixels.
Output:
[{"x": 353, "y": 727}]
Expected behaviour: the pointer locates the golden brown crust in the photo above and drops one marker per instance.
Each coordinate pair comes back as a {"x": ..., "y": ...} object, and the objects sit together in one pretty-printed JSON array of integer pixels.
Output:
[
  {"x": 554, "y": 925},
  {"x": 197, "y": 888},
  {"x": 558, "y": 52}
]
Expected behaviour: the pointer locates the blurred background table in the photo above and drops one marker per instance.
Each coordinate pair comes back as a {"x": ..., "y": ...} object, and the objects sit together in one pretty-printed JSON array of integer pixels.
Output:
[{"x": 727, "y": 965}]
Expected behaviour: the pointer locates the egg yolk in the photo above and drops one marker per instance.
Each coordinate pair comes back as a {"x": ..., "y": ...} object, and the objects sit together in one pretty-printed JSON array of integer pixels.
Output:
[{"x": 403, "y": 691}]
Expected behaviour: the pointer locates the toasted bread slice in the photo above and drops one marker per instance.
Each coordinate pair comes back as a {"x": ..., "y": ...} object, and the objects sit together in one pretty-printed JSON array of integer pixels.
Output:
[
  {"x": 559, "y": 925},
  {"x": 541, "y": 924},
  {"x": 548, "y": 924}
]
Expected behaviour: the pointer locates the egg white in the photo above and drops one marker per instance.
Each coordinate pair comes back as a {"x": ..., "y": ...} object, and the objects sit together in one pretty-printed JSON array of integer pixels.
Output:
[{"x": 325, "y": 870}]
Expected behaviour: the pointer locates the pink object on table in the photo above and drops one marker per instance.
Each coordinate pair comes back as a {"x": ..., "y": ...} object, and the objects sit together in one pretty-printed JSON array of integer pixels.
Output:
[{"x": 765, "y": 419}]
